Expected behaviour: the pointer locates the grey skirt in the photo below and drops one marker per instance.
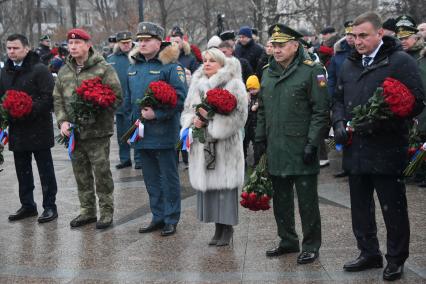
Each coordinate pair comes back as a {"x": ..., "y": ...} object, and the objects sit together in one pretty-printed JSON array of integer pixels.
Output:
[{"x": 218, "y": 206}]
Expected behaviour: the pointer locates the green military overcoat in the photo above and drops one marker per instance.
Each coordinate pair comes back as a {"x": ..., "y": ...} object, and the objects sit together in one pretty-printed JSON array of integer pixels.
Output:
[{"x": 293, "y": 112}]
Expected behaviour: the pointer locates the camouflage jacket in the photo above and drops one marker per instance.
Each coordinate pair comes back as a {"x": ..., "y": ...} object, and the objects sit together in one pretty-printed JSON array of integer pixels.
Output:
[{"x": 64, "y": 94}]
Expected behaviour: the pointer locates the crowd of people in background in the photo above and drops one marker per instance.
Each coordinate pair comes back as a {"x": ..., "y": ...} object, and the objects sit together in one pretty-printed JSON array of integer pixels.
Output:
[{"x": 292, "y": 94}]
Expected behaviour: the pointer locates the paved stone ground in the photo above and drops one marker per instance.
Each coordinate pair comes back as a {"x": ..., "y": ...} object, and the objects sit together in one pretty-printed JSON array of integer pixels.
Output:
[{"x": 54, "y": 253}]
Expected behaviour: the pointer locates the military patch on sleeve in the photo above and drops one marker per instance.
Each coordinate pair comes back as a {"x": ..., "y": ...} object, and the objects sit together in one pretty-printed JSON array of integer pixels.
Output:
[
  {"x": 181, "y": 73},
  {"x": 322, "y": 81}
]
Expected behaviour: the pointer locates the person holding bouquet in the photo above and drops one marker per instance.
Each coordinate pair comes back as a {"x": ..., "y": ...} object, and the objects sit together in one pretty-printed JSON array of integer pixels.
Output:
[
  {"x": 30, "y": 133},
  {"x": 91, "y": 134},
  {"x": 377, "y": 154},
  {"x": 292, "y": 115},
  {"x": 216, "y": 162},
  {"x": 153, "y": 62}
]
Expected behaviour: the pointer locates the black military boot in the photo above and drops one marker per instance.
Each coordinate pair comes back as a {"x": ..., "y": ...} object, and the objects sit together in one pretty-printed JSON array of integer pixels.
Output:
[
  {"x": 82, "y": 220},
  {"x": 217, "y": 234}
]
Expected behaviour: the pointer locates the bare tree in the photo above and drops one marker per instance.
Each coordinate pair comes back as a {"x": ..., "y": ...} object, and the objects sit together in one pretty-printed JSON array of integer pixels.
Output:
[{"x": 73, "y": 9}]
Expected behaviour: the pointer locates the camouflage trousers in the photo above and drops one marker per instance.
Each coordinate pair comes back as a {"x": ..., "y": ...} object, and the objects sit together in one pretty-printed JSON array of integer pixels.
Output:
[{"x": 90, "y": 163}]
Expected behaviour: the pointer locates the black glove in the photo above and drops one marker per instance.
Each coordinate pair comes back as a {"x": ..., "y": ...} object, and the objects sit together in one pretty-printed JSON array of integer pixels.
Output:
[
  {"x": 309, "y": 154},
  {"x": 340, "y": 134},
  {"x": 260, "y": 148}
]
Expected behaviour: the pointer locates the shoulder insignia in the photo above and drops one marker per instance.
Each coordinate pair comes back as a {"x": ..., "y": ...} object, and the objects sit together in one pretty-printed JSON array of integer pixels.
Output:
[
  {"x": 309, "y": 62},
  {"x": 266, "y": 66},
  {"x": 322, "y": 81}
]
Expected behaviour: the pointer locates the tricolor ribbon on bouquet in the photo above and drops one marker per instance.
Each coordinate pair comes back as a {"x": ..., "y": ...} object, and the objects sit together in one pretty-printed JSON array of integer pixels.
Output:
[
  {"x": 138, "y": 133},
  {"x": 71, "y": 142},
  {"x": 186, "y": 138},
  {"x": 4, "y": 137},
  {"x": 350, "y": 131}
]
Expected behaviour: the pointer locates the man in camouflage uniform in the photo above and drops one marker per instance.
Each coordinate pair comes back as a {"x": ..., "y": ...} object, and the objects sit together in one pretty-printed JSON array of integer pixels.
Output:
[
  {"x": 91, "y": 154},
  {"x": 292, "y": 115}
]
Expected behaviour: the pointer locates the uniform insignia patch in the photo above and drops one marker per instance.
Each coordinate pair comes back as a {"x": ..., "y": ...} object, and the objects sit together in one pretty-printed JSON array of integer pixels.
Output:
[
  {"x": 154, "y": 72},
  {"x": 132, "y": 73},
  {"x": 322, "y": 81},
  {"x": 181, "y": 76},
  {"x": 179, "y": 68},
  {"x": 309, "y": 62}
]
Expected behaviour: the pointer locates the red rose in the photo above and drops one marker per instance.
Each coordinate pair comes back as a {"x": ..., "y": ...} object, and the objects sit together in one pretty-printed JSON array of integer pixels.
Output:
[
  {"x": 244, "y": 195},
  {"x": 222, "y": 100},
  {"x": 398, "y": 97}
]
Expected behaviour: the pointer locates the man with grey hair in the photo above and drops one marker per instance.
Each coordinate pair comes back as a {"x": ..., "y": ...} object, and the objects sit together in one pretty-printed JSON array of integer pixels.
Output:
[
  {"x": 377, "y": 154},
  {"x": 150, "y": 62}
]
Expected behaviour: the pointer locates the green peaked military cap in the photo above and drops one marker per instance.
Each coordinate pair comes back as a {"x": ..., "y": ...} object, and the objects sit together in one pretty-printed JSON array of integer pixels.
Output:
[
  {"x": 403, "y": 31},
  {"x": 348, "y": 27},
  {"x": 124, "y": 37},
  {"x": 405, "y": 21},
  {"x": 281, "y": 33},
  {"x": 148, "y": 30},
  {"x": 405, "y": 26}
]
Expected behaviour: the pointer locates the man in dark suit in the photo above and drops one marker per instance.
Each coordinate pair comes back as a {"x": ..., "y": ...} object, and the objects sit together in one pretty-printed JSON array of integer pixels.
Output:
[
  {"x": 377, "y": 155},
  {"x": 32, "y": 134}
]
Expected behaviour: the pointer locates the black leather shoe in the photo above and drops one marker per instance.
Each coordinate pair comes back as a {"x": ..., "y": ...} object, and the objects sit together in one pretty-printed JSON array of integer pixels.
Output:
[
  {"x": 23, "y": 213},
  {"x": 81, "y": 220},
  {"x": 48, "y": 215},
  {"x": 138, "y": 167},
  {"x": 168, "y": 230},
  {"x": 151, "y": 227},
  {"x": 307, "y": 257},
  {"x": 341, "y": 174},
  {"x": 363, "y": 263},
  {"x": 277, "y": 251},
  {"x": 123, "y": 165},
  {"x": 393, "y": 271}
]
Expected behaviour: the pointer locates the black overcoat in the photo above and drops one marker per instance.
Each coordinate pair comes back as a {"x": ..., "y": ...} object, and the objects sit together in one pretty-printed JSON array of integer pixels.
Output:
[{"x": 383, "y": 150}]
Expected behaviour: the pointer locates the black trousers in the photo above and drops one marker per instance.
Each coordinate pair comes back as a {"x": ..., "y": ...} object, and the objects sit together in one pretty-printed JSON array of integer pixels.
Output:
[
  {"x": 391, "y": 194},
  {"x": 25, "y": 176}
]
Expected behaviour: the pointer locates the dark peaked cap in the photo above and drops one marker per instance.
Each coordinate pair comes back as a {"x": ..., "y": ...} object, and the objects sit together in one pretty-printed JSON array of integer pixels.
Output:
[
  {"x": 281, "y": 33},
  {"x": 124, "y": 37}
]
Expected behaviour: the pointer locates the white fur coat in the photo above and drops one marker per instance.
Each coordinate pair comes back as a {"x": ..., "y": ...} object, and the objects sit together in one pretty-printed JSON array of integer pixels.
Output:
[{"x": 227, "y": 129}]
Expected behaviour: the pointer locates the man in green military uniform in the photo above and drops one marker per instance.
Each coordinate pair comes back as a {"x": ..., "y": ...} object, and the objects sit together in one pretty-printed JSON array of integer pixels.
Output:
[
  {"x": 90, "y": 159},
  {"x": 412, "y": 42},
  {"x": 293, "y": 112}
]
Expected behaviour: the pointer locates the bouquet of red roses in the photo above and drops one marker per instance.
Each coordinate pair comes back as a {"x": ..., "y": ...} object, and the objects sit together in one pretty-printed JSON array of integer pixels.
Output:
[
  {"x": 391, "y": 100},
  {"x": 258, "y": 190},
  {"x": 159, "y": 94},
  {"x": 92, "y": 98},
  {"x": 16, "y": 104},
  {"x": 217, "y": 100}
]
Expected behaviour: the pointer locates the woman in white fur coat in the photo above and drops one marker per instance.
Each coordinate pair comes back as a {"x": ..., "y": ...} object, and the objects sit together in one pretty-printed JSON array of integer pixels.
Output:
[{"x": 217, "y": 188}]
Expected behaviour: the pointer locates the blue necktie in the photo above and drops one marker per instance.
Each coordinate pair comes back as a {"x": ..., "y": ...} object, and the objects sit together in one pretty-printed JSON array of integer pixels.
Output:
[{"x": 366, "y": 60}]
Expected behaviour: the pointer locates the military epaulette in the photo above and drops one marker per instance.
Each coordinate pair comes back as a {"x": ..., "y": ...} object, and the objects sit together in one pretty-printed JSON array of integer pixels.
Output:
[
  {"x": 309, "y": 62},
  {"x": 266, "y": 66}
]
